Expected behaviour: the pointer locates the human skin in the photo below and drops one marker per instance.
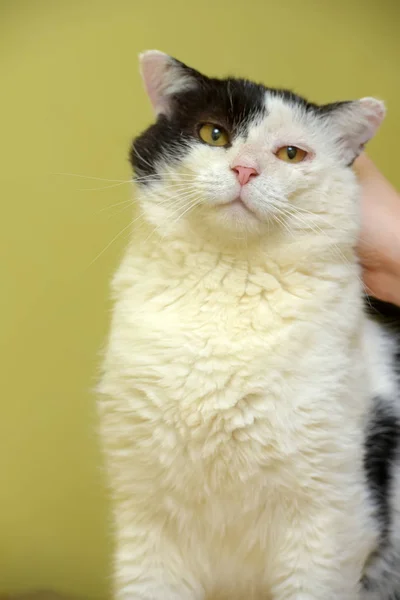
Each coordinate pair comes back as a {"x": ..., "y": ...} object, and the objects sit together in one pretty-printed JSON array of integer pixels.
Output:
[{"x": 379, "y": 243}]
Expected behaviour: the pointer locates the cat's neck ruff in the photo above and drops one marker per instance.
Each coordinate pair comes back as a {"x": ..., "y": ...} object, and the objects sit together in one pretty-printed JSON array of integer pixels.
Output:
[{"x": 196, "y": 251}]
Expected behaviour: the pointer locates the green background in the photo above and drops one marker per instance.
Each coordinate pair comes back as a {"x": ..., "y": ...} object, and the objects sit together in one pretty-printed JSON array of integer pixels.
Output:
[{"x": 70, "y": 101}]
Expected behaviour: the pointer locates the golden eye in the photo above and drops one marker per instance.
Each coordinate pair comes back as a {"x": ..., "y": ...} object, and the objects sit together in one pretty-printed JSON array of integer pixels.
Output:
[
  {"x": 214, "y": 135},
  {"x": 291, "y": 154}
]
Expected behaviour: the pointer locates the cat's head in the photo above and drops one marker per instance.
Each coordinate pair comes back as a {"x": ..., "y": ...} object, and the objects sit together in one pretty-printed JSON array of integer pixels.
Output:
[{"x": 238, "y": 158}]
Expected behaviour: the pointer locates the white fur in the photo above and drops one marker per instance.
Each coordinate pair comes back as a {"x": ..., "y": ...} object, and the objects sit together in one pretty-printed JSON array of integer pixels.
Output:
[{"x": 236, "y": 384}]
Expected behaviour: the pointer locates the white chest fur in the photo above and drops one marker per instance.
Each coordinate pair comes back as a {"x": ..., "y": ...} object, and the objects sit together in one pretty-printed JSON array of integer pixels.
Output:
[{"x": 230, "y": 391}]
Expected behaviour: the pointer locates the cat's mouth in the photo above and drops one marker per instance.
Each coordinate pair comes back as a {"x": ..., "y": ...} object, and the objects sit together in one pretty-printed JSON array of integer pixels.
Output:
[{"x": 238, "y": 207}]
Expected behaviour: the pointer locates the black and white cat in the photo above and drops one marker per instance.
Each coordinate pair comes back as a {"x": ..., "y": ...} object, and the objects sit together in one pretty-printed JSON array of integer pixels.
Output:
[{"x": 249, "y": 404}]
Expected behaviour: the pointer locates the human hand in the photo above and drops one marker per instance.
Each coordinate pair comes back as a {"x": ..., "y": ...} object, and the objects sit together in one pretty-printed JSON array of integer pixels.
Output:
[{"x": 379, "y": 243}]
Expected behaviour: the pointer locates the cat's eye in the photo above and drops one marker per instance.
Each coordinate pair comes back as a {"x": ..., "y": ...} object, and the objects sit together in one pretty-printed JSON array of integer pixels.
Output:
[
  {"x": 213, "y": 135},
  {"x": 291, "y": 154}
]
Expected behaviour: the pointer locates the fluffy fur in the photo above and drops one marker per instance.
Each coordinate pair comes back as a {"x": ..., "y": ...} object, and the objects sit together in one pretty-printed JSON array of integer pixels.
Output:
[{"x": 243, "y": 380}]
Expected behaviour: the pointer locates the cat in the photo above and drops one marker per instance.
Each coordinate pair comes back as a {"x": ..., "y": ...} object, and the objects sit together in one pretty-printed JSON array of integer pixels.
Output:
[{"x": 248, "y": 401}]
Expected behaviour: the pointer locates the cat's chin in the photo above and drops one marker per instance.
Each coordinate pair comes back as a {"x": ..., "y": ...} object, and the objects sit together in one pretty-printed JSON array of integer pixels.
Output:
[
  {"x": 237, "y": 208},
  {"x": 234, "y": 219}
]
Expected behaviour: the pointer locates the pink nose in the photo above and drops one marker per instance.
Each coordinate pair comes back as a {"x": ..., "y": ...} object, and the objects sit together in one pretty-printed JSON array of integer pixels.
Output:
[{"x": 244, "y": 174}]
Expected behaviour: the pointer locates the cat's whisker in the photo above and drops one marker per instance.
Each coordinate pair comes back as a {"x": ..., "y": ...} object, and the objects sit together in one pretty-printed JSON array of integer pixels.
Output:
[
  {"x": 180, "y": 195},
  {"x": 195, "y": 201},
  {"x": 173, "y": 188},
  {"x": 109, "y": 244},
  {"x": 325, "y": 221},
  {"x": 282, "y": 223},
  {"x": 155, "y": 178},
  {"x": 310, "y": 224},
  {"x": 79, "y": 175},
  {"x": 165, "y": 175},
  {"x": 181, "y": 178},
  {"x": 304, "y": 211},
  {"x": 140, "y": 219},
  {"x": 181, "y": 201},
  {"x": 335, "y": 247},
  {"x": 291, "y": 211},
  {"x": 173, "y": 202},
  {"x": 192, "y": 204},
  {"x": 141, "y": 157},
  {"x": 121, "y": 210},
  {"x": 314, "y": 227},
  {"x": 106, "y": 187},
  {"x": 129, "y": 201}
]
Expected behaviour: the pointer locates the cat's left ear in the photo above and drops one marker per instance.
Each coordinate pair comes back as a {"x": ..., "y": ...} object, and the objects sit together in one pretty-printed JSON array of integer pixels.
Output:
[
  {"x": 354, "y": 123},
  {"x": 164, "y": 77}
]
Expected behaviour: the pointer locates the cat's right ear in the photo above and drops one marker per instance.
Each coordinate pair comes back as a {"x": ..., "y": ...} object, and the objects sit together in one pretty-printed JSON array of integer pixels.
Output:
[
  {"x": 164, "y": 77},
  {"x": 353, "y": 124}
]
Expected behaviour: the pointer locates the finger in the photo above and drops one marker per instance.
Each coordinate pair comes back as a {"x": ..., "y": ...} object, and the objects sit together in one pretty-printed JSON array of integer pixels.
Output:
[{"x": 382, "y": 285}]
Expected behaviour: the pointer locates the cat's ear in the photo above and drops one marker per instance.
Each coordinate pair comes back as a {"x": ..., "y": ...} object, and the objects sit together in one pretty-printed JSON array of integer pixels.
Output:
[
  {"x": 354, "y": 123},
  {"x": 164, "y": 77}
]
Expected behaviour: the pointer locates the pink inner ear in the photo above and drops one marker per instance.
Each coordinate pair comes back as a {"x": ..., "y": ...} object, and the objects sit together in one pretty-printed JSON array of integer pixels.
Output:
[
  {"x": 154, "y": 68},
  {"x": 374, "y": 111}
]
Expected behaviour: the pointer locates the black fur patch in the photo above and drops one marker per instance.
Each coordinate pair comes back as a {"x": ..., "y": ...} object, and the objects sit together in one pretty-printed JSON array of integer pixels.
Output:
[
  {"x": 231, "y": 103},
  {"x": 383, "y": 437},
  {"x": 381, "y": 444},
  {"x": 388, "y": 316}
]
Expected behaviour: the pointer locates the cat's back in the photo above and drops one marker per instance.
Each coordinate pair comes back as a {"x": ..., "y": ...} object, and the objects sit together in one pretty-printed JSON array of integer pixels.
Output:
[{"x": 382, "y": 445}]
